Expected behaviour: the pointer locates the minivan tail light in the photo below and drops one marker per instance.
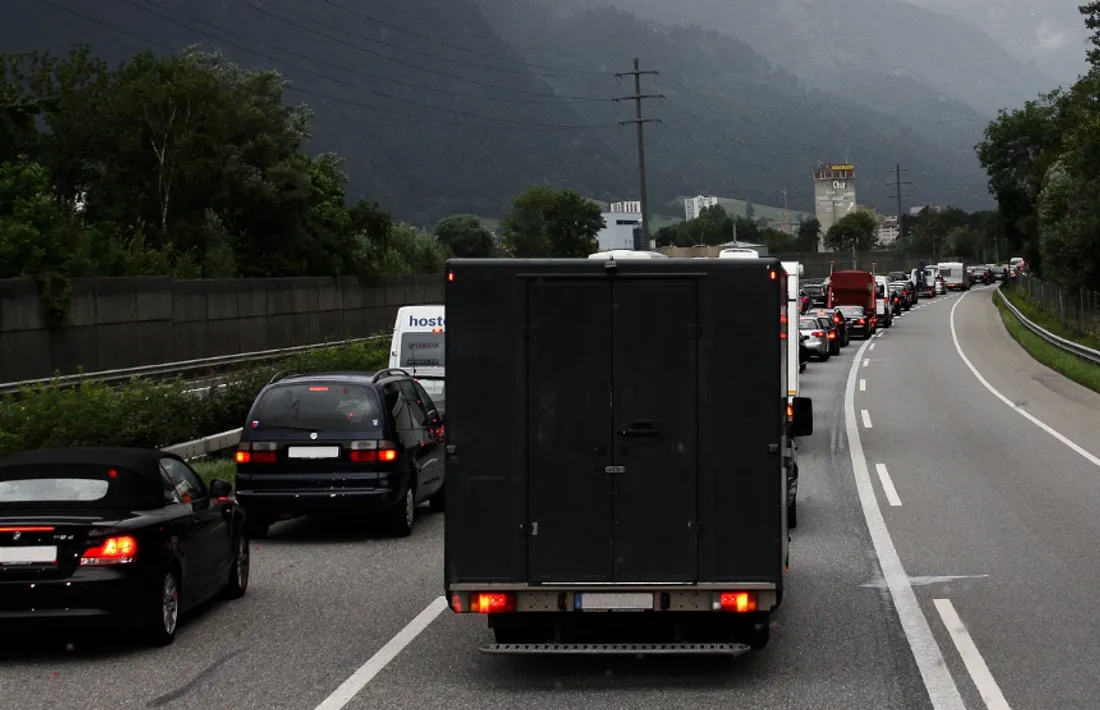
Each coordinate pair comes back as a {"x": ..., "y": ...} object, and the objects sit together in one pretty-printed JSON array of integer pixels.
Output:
[
  {"x": 119, "y": 550},
  {"x": 370, "y": 451},
  {"x": 256, "y": 452}
]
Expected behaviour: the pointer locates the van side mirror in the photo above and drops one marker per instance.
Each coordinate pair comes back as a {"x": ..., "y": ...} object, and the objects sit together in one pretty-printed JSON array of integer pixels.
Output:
[{"x": 802, "y": 417}]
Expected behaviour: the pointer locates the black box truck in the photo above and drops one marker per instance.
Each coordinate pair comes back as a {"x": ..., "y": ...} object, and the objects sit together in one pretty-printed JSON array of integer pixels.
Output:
[{"x": 615, "y": 443}]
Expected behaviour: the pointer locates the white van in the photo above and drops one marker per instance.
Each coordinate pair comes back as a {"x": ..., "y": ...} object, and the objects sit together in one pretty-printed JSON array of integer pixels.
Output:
[
  {"x": 794, "y": 312},
  {"x": 954, "y": 275},
  {"x": 419, "y": 347},
  {"x": 882, "y": 301}
]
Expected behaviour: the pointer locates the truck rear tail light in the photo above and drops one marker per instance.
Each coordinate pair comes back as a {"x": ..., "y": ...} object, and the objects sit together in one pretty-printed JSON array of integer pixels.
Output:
[
  {"x": 740, "y": 602},
  {"x": 494, "y": 603},
  {"x": 371, "y": 451},
  {"x": 790, "y": 412},
  {"x": 114, "y": 551},
  {"x": 256, "y": 452}
]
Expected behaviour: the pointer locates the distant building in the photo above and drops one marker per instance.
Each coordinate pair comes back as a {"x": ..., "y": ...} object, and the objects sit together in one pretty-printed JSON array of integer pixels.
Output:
[
  {"x": 834, "y": 194},
  {"x": 693, "y": 206},
  {"x": 888, "y": 231},
  {"x": 621, "y": 220}
]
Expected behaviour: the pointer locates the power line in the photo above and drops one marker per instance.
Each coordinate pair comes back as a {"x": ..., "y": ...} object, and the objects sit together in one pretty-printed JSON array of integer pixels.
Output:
[
  {"x": 551, "y": 98},
  {"x": 349, "y": 84},
  {"x": 449, "y": 60},
  {"x": 442, "y": 43},
  {"x": 637, "y": 97}
]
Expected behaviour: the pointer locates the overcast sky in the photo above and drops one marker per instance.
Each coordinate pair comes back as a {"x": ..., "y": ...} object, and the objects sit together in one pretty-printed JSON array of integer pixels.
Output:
[{"x": 1049, "y": 32}]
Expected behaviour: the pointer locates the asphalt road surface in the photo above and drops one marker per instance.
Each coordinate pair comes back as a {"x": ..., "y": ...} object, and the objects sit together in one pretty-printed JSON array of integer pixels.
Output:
[{"x": 969, "y": 573}]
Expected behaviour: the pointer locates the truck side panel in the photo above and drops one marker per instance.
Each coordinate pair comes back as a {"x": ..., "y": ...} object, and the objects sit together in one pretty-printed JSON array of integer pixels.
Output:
[{"x": 569, "y": 430}]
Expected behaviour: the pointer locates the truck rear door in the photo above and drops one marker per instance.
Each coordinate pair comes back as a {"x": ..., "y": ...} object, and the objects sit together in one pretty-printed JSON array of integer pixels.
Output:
[{"x": 612, "y": 368}]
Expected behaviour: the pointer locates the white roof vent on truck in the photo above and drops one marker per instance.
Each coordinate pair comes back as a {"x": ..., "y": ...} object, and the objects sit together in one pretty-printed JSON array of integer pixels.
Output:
[
  {"x": 627, "y": 254},
  {"x": 738, "y": 253}
]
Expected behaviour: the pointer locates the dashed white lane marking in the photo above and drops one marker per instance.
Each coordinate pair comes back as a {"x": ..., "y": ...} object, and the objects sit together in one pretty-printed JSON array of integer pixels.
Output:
[
  {"x": 872, "y": 347},
  {"x": 863, "y": 385},
  {"x": 942, "y": 691},
  {"x": 374, "y": 665},
  {"x": 1094, "y": 460},
  {"x": 887, "y": 485},
  {"x": 991, "y": 693},
  {"x": 866, "y": 418},
  {"x": 866, "y": 360}
]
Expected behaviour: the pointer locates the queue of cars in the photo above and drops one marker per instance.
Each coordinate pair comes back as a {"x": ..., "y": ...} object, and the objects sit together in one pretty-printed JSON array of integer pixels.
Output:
[{"x": 130, "y": 538}]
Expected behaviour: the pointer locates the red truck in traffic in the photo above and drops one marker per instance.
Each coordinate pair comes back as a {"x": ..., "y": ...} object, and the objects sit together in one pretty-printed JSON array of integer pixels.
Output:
[{"x": 855, "y": 288}]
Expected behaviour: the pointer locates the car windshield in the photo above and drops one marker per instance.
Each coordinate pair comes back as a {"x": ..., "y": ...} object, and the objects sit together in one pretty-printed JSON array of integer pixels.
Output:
[
  {"x": 71, "y": 486},
  {"x": 325, "y": 406},
  {"x": 854, "y": 311}
]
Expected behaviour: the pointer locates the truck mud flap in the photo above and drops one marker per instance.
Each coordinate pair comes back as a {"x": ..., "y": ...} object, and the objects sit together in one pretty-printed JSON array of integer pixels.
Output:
[{"x": 616, "y": 649}]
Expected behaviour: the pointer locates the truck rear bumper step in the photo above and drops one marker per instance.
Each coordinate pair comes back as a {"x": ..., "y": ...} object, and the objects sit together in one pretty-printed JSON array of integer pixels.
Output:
[{"x": 616, "y": 649}]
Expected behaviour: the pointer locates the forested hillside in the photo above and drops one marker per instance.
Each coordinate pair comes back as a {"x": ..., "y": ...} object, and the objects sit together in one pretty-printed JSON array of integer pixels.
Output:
[{"x": 444, "y": 107}]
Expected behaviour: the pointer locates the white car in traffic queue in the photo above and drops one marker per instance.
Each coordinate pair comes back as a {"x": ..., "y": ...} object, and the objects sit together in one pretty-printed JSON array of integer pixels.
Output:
[{"x": 817, "y": 340}]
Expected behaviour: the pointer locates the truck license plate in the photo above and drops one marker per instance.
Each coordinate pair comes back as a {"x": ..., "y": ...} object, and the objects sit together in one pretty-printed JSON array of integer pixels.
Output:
[{"x": 617, "y": 601}]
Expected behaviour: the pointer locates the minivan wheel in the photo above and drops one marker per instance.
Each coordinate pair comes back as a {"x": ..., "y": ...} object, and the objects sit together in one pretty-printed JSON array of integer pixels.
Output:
[
  {"x": 403, "y": 515},
  {"x": 437, "y": 501},
  {"x": 257, "y": 528}
]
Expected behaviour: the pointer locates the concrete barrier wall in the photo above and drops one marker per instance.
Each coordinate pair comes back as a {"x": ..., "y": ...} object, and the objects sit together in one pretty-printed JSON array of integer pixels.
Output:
[{"x": 126, "y": 322}]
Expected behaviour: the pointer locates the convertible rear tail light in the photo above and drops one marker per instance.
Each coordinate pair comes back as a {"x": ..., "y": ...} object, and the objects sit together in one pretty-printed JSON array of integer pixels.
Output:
[{"x": 119, "y": 550}]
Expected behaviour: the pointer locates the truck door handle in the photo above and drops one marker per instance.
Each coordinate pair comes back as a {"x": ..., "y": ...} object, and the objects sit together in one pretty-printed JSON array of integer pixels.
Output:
[{"x": 639, "y": 429}]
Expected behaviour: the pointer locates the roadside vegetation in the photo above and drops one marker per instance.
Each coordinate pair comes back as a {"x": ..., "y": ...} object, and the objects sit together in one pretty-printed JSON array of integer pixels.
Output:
[
  {"x": 222, "y": 467},
  {"x": 155, "y": 413},
  {"x": 1081, "y": 371}
]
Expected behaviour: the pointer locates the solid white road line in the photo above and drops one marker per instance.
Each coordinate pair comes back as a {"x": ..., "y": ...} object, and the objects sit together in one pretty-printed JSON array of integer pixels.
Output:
[
  {"x": 866, "y": 418},
  {"x": 863, "y": 385},
  {"x": 941, "y": 687},
  {"x": 374, "y": 665},
  {"x": 887, "y": 485},
  {"x": 1094, "y": 460},
  {"x": 971, "y": 656}
]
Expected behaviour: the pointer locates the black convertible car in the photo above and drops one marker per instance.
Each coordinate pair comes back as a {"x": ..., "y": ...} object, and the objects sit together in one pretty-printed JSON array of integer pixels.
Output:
[{"x": 129, "y": 538}]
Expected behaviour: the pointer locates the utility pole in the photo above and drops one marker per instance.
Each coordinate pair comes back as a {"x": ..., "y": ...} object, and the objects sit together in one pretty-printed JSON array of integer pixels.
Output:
[
  {"x": 897, "y": 183},
  {"x": 786, "y": 215},
  {"x": 640, "y": 122}
]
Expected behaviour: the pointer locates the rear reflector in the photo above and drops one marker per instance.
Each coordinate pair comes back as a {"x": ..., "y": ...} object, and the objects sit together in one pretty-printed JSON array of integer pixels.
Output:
[
  {"x": 114, "y": 551},
  {"x": 740, "y": 602}
]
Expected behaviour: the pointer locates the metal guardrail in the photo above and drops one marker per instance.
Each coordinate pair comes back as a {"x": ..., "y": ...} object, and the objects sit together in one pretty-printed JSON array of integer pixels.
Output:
[
  {"x": 1069, "y": 346},
  {"x": 207, "y": 445},
  {"x": 173, "y": 369}
]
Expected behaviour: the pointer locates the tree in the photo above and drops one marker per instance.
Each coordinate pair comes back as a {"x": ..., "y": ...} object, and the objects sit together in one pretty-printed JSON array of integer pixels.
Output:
[
  {"x": 809, "y": 235},
  {"x": 545, "y": 222},
  {"x": 750, "y": 209},
  {"x": 852, "y": 231},
  {"x": 465, "y": 235}
]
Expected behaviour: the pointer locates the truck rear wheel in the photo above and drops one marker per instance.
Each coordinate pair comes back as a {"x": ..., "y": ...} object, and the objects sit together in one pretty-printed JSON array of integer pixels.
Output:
[
  {"x": 518, "y": 628},
  {"x": 792, "y": 515},
  {"x": 757, "y": 635}
]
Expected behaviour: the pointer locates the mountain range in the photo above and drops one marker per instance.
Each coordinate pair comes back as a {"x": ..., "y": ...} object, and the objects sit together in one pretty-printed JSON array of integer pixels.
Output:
[{"x": 448, "y": 106}]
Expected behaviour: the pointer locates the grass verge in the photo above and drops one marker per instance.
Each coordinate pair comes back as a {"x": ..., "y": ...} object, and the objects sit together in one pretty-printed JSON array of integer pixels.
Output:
[
  {"x": 156, "y": 414},
  {"x": 1081, "y": 371},
  {"x": 211, "y": 468},
  {"x": 1043, "y": 319}
]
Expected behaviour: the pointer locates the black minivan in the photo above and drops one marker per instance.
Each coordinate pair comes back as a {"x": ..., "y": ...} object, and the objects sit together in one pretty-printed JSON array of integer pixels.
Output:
[{"x": 351, "y": 445}]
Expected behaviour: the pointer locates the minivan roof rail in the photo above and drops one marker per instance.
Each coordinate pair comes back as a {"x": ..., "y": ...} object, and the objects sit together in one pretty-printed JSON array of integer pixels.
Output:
[{"x": 280, "y": 375}]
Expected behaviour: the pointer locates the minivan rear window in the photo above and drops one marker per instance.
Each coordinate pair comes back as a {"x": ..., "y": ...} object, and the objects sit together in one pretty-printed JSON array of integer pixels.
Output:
[
  {"x": 324, "y": 406},
  {"x": 422, "y": 349}
]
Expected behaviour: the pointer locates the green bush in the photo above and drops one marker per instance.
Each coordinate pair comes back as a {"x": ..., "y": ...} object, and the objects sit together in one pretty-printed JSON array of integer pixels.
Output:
[{"x": 156, "y": 413}]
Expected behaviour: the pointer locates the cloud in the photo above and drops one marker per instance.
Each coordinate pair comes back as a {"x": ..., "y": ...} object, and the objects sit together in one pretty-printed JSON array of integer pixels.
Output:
[{"x": 1049, "y": 37}]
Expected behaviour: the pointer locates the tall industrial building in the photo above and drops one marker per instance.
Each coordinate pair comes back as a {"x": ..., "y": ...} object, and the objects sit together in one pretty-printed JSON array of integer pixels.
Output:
[
  {"x": 693, "y": 206},
  {"x": 834, "y": 194}
]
